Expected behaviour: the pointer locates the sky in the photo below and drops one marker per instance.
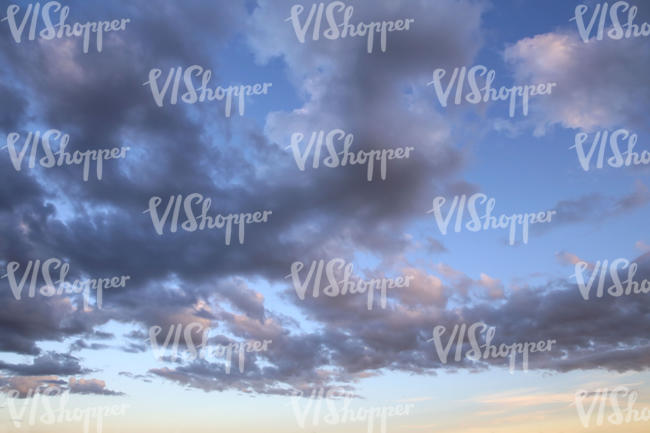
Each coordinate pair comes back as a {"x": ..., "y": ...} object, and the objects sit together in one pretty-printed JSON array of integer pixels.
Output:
[{"x": 341, "y": 353}]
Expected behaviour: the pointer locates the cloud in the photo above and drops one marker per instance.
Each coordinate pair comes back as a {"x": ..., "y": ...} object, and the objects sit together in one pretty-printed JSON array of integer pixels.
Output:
[
  {"x": 568, "y": 258},
  {"x": 641, "y": 245},
  {"x": 90, "y": 386},
  {"x": 524, "y": 398},
  {"x": 493, "y": 285},
  {"x": 50, "y": 363},
  {"x": 596, "y": 207},
  {"x": 600, "y": 84},
  {"x": 210, "y": 282},
  {"x": 26, "y": 386},
  {"x": 423, "y": 289}
]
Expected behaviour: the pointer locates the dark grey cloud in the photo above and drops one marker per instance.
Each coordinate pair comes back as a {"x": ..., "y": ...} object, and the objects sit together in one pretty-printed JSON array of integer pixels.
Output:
[
  {"x": 90, "y": 386},
  {"x": 50, "y": 363}
]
